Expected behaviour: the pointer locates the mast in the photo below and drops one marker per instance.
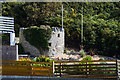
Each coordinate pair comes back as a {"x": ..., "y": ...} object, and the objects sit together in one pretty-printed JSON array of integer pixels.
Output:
[
  {"x": 82, "y": 27},
  {"x": 62, "y": 16}
]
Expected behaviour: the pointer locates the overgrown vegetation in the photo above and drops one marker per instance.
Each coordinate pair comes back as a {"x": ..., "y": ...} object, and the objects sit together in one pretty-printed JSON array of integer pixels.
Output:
[
  {"x": 82, "y": 53},
  {"x": 38, "y": 37},
  {"x": 38, "y": 59},
  {"x": 6, "y": 39},
  {"x": 20, "y": 49},
  {"x": 87, "y": 58},
  {"x": 25, "y": 59},
  {"x": 43, "y": 59}
]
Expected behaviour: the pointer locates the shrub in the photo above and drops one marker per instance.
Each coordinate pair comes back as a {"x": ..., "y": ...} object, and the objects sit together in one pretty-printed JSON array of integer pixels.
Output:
[
  {"x": 82, "y": 53},
  {"x": 87, "y": 58},
  {"x": 43, "y": 59},
  {"x": 64, "y": 50},
  {"x": 37, "y": 59},
  {"x": 24, "y": 59},
  {"x": 72, "y": 51},
  {"x": 101, "y": 59}
]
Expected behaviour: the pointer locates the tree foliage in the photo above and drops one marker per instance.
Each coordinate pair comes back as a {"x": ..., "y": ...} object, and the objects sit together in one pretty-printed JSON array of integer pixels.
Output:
[
  {"x": 100, "y": 22},
  {"x": 5, "y": 39}
]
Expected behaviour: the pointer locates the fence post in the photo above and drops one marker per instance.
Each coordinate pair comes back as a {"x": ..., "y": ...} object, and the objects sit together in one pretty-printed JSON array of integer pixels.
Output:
[
  {"x": 17, "y": 57},
  {"x": 86, "y": 69},
  {"x": 117, "y": 70},
  {"x": 53, "y": 67},
  {"x": 30, "y": 69},
  {"x": 60, "y": 69}
]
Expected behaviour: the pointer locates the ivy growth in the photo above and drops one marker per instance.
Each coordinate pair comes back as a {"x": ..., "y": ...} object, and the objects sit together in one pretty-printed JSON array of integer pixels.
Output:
[
  {"x": 38, "y": 36},
  {"x": 6, "y": 39}
]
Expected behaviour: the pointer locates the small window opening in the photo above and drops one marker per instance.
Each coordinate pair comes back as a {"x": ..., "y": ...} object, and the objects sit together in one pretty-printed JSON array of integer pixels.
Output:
[
  {"x": 49, "y": 44},
  {"x": 58, "y": 35}
]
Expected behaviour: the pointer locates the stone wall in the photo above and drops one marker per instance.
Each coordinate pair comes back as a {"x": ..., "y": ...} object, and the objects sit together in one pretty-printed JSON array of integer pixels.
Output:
[{"x": 28, "y": 48}]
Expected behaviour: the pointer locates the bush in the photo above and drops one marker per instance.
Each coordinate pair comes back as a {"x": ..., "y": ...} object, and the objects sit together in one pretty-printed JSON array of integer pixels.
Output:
[
  {"x": 101, "y": 59},
  {"x": 43, "y": 59},
  {"x": 37, "y": 59},
  {"x": 82, "y": 53},
  {"x": 72, "y": 51},
  {"x": 87, "y": 58},
  {"x": 64, "y": 50},
  {"x": 24, "y": 59}
]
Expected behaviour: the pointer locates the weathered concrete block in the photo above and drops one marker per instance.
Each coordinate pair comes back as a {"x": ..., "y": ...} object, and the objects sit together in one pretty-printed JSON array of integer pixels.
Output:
[{"x": 56, "y": 42}]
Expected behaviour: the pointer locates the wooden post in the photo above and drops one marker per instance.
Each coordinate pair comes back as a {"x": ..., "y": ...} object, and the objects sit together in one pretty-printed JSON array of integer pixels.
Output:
[
  {"x": 30, "y": 69},
  {"x": 89, "y": 69},
  {"x": 60, "y": 69},
  {"x": 117, "y": 70},
  {"x": 86, "y": 69}
]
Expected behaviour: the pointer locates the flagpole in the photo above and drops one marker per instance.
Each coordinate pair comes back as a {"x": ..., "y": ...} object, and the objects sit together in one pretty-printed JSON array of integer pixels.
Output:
[
  {"x": 62, "y": 16},
  {"x": 82, "y": 27}
]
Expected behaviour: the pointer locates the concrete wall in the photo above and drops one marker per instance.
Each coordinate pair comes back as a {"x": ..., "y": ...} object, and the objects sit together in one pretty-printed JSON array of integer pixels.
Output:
[
  {"x": 9, "y": 53},
  {"x": 56, "y": 42}
]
